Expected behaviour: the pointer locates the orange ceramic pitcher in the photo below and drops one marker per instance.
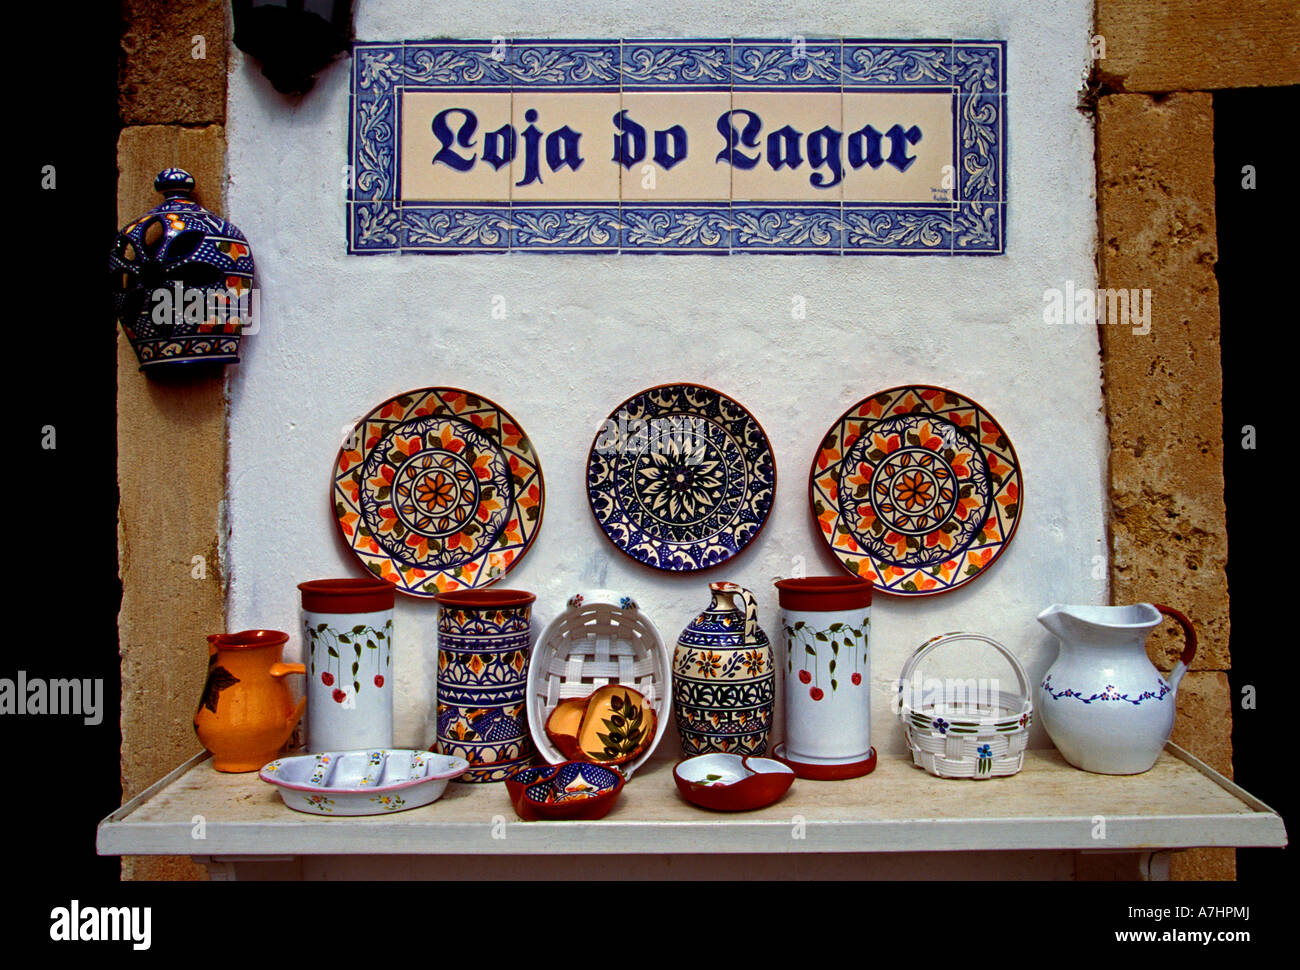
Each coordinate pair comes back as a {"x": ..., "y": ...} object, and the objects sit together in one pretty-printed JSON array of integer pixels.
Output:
[{"x": 246, "y": 713}]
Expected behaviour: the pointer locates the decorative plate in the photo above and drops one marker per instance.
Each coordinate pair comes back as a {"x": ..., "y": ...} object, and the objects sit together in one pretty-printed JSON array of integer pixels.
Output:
[
  {"x": 681, "y": 477},
  {"x": 916, "y": 488},
  {"x": 438, "y": 489}
]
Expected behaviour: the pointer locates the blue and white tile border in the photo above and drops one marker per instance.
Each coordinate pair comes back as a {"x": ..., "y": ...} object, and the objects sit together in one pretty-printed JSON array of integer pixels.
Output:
[{"x": 973, "y": 72}]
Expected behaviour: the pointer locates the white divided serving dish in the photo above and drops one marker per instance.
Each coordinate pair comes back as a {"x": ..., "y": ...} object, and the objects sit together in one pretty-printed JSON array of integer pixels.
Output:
[{"x": 362, "y": 782}]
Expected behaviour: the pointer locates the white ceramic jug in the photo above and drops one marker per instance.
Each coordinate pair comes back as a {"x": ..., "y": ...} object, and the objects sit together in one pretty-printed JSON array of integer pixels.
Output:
[{"x": 1103, "y": 703}]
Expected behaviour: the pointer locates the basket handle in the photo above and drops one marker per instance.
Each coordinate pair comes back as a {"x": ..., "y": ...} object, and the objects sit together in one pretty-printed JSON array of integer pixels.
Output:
[{"x": 943, "y": 639}]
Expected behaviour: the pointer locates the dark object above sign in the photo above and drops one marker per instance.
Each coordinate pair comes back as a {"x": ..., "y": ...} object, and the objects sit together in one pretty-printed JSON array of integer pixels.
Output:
[
  {"x": 293, "y": 39},
  {"x": 796, "y": 145}
]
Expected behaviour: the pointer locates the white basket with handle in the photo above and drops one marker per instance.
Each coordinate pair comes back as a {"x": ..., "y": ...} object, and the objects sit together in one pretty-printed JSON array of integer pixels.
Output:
[
  {"x": 956, "y": 736},
  {"x": 602, "y": 638}
]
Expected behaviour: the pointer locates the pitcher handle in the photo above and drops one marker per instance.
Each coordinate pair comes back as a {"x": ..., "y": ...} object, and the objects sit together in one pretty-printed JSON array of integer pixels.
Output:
[
  {"x": 280, "y": 670},
  {"x": 1189, "y": 643},
  {"x": 751, "y": 605}
]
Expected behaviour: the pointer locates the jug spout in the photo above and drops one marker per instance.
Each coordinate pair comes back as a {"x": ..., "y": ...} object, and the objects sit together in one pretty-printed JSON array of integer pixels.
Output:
[
  {"x": 1054, "y": 619},
  {"x": 1100, "y": 624}
]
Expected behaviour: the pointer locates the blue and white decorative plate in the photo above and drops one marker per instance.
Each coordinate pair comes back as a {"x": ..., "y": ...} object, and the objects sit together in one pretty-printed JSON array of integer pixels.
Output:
[{"x": 681, "y": 477}]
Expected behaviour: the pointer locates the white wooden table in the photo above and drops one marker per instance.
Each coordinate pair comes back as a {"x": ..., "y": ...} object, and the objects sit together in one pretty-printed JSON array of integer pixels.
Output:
[{"x": 1049, "y": 821}]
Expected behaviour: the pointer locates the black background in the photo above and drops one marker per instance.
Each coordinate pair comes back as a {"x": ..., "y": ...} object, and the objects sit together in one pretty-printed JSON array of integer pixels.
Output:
[{"x": 63, "y": 594}]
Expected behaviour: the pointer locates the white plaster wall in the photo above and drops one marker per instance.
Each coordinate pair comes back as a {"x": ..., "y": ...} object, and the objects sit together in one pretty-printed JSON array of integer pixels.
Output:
[{"x": 342, "y": 333}]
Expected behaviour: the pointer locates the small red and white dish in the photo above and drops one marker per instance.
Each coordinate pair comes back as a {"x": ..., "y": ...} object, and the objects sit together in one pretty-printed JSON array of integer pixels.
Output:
[{"x": 732, "y": 783}]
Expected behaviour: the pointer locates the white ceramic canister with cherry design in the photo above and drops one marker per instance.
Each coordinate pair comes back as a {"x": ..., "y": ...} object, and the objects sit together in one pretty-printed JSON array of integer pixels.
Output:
[
  {"x": 348, "y": 649},
  {"x": 825, "y": 623}
]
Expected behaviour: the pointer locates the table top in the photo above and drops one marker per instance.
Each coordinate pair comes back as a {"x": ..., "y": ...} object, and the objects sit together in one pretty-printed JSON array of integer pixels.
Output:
[{"x": 897, "y": 808}]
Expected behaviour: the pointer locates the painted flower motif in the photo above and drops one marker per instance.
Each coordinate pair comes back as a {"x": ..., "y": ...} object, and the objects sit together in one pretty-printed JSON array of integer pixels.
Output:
[
  {"x": 627, "y": 603},
  {"x": 436, "y": 491},
  {"x": 827, "y": 456},
  {"x": 914, "y": 490},
  {"x": 679, "y": 482},
  {"x": 984, "y": 751},
  {"x": 708, "y": 664},
  {"x": 576, "y": 601},
  {"x": 940, "y": 725},
  {"x": 460, "y": 731},
  {"x": 754, "y": 662}
]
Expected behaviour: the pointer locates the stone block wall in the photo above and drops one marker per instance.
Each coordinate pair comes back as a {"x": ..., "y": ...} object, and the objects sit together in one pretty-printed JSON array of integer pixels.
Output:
[
  {"x": 173, "y": 108},
  {"x": 1164, "y": 389}
]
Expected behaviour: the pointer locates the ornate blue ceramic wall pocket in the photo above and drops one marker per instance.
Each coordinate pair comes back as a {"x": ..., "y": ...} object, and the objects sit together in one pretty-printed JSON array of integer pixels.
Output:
[
  {"x": 714, "y": 146},
  {"x": 681, "y": 477},
  {"x": 182, "y": 281}
]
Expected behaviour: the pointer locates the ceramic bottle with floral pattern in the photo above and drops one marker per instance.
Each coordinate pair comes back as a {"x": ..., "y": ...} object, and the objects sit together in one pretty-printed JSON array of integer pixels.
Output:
[{"x": 724, "y": 677}]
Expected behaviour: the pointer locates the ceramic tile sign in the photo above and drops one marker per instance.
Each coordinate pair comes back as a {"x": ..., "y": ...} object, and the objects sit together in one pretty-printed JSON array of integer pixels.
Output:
[{"x": 797, "y": 145}]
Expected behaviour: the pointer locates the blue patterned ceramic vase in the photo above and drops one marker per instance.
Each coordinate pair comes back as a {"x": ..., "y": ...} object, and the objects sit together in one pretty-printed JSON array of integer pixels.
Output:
[
  {"x": 182, "y": 281},
  {"x": 483, "y": 640},
  {"x": 724, "y": 680}
]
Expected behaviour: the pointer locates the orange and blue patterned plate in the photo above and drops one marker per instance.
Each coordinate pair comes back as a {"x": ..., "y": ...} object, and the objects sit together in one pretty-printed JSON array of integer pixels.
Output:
[
  {"x": 916, "y": 488},
  {"x": 438, "y": 489}
]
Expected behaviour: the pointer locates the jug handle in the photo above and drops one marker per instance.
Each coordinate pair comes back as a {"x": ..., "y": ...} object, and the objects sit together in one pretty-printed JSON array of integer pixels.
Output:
[
  {"x": 751, "y": 605},
  {"x": 281, "y": 670},
  {"x": 1189, "y": 643}
]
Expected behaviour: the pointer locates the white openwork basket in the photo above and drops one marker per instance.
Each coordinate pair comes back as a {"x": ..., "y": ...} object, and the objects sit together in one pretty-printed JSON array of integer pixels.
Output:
[
  {"x": 953, "y": 735},
  {"x": 602, "y": 638}
]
